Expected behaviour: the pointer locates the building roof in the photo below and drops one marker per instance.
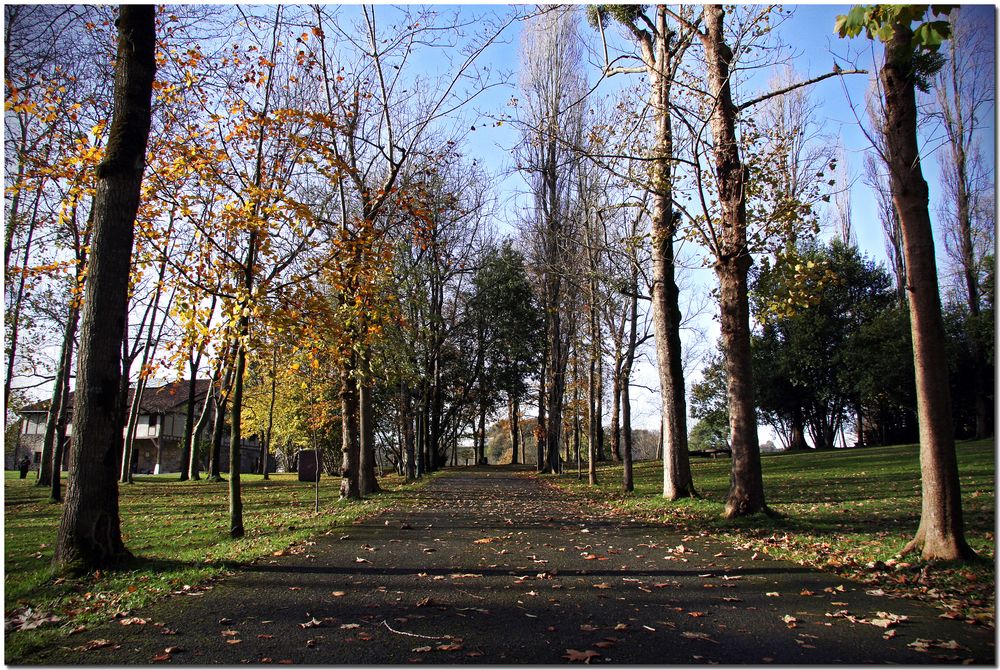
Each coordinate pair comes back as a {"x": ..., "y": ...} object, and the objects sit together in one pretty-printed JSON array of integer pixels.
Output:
[{"x": 155, "y": 400}]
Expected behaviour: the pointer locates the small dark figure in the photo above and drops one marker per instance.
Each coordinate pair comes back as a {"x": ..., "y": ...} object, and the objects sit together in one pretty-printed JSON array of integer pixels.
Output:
[{"x": 23, "y": 467}]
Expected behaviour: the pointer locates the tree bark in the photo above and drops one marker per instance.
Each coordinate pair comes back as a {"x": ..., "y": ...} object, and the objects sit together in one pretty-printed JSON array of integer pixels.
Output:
[
  {"x": 265, "y": 466},
  {"x": 616, "y": 402},
  {"x": 409, "y": 469},
  {"x": 940, "y": 535},
  {"x": 677, "y": 481},
  {"x": 236, "y": 530},
  {"x": 746, "y": 493},
  {"x": 540, "y": 425},
  {"x": 90, "y": 528},
  {"x": 367, "y": 482},
  {"x": 350, "y": 486},
  {"x": 218, "y": 428},
  {"x": 627, "y": 483},
  {"x": 62, "y": 416},
  {"x": 513, "y": 410},
  {"x": 48, "y": 464}
]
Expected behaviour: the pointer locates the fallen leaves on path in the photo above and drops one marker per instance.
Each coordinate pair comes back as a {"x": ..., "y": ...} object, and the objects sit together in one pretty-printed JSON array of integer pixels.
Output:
[
  {"x": 921, "y": 644},
  {"x": 94, "y": 644},
  {"x": 133, "y": 621},
  {"x": 575, "y": 656}
]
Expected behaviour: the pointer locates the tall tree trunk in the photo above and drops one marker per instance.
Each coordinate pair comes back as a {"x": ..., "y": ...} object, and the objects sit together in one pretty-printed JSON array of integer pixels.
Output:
[
  {"x": 627, "y": 483},
  {"x": 540, "y": 426},
  {"x": 266, "y": 466},
  {"x": 90, "y": 528},
  {"x": 236, "y": 530},
  {"x": 218, "y": 428},
  {"x": 556, "y": 387},
  {"x": 59, "y": 452},
  {"x": 62, "y": 414},
  {"x": 15, "y": 318},
  {"x": 513, "y": 410},
  {"x": 482, "y": 433},
  {"x": 48, "y": 463},
  {"x": 940, "y": 535},
  {"x": 599, "y": 408},
  {"x": 350, "y": 486},
  {"x": 797, "y": 438},
  {"x": 409, "y": 469},
  {"x": 660, "y": 65},
  {"x": 185, "y": 466},
  {"x": 194, "y": 466},
  {"x": 367, "y": 482},
  {"x": 616, "y": 400},
  {"x": 746, "y": 493}
]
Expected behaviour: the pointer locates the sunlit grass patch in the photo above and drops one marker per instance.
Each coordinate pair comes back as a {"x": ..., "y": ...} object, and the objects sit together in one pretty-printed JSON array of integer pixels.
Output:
[
  {"x": 850, "y": 512},
  {"x": 179, "y": 532}
]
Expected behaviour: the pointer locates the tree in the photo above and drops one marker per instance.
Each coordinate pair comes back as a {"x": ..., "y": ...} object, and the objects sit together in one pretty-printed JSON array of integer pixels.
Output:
[
  {"x": 90, "y": 528},
  {"x": 661, "y": 50},
  {"x": 907, "y": 62},
  {"x": 553, "y": 86},
  {"x": 723, "y": 228},
  {"x": 964, "y": 92},
  {"x": 506, "y": 313},
  {"x": 812, "y": 353}
]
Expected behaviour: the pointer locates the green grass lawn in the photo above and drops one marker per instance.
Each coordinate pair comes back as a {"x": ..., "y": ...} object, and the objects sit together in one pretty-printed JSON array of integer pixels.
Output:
[
  {"x": 848, "y": 511},
  {"x": 178, "y": 530}
]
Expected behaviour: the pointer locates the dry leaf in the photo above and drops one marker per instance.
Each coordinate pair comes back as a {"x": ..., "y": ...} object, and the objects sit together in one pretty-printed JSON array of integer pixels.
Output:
[
  {"x": 94, "y": 644},
  {"x": 159, "y": 658},
  {"x": 574, "y": 656},
  {"x": 133, "y": 621},
  {"x": 698, "y": 636},
  {"x": 602, "y": 585},
  {"x": 337, "y": 594}
]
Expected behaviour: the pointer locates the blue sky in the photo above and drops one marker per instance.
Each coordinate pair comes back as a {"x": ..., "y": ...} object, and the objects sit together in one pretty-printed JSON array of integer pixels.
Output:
[{"x": 809, "y": 34}]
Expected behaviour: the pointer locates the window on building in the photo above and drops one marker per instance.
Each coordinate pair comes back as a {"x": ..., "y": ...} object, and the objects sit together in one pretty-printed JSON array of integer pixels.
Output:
[{"x": 152, "y": 420}]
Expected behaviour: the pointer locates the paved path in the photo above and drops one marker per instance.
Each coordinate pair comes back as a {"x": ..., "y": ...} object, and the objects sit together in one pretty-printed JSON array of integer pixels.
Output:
[{"x": 493, "y": 566}]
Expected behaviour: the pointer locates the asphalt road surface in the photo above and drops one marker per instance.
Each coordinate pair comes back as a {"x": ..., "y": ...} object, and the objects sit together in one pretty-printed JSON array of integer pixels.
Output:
[{"x": 494, "y": 566}]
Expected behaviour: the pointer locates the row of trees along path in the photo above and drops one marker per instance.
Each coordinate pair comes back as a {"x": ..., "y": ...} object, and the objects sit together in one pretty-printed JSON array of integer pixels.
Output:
[
  {"x": 492, "y": 565},
  {"x": 89, "y": 534}
]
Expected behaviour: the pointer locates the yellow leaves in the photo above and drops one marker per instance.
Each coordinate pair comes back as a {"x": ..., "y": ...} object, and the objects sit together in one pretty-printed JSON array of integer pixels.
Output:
[{"x": 27, "y": 107}]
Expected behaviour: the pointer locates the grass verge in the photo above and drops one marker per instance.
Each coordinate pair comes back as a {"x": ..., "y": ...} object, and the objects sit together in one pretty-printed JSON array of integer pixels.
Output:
[
  {"x": 179, "y": 534},
  {"x": 849, "y": 512}
]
